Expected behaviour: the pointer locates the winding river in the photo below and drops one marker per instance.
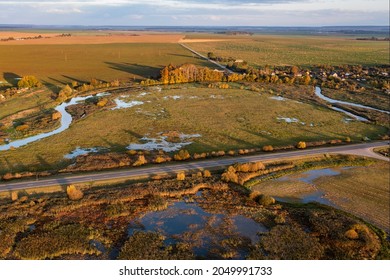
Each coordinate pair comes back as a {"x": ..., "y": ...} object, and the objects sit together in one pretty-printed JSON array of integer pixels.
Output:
[
  {"x": 334, "y": 101},
  {"x": 66, "y": 118}
]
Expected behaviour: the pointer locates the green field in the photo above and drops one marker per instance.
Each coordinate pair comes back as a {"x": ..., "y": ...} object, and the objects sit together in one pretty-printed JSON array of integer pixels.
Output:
[
  {"x": 295, "y": 50},
  {"x": 359, "y": 190},
  {"x": 226, "y": 119},
  {"x": 59, "y": 64}
]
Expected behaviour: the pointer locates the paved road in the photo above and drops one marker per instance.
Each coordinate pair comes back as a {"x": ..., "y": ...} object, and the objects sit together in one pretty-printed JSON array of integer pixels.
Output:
[{"x": 356, "y": 149}]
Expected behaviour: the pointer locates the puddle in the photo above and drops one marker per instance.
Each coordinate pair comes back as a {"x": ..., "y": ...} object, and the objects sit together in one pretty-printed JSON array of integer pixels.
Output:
[
  {"x": 120, "y": 104},
  {"x": 348, "y": 120},
  {"x": 174, "y": 97},
  {"x": 264, "y": 132},
  {"x": 309, "y": 177},
  {"x": 98, "y": 245},
  {"x": 216, "y": 96},
  {"x": 162, "y": 143},
  {"x": 83, "y": 151},
  {"x": 143, "y": 94},
  {"x": 182, "y": 219},
  {"x": 290, "y": 120},
  {"x": 278, "y": 98}
]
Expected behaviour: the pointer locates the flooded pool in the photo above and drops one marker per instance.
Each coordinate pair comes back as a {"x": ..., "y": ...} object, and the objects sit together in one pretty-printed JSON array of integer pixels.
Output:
[
  {"x": 162, "y": 143},
  {"x": 309, "y": 177},
  {"x": 83, "y": 151},
  {"x": 183, "y": 220}
]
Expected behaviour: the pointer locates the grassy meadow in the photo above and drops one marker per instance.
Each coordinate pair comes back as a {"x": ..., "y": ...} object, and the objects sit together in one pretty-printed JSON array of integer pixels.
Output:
[
  {"x": 294, "y": 50},
  {"x": 361, "y": 190},
  {"x": 225, "y": 119}
]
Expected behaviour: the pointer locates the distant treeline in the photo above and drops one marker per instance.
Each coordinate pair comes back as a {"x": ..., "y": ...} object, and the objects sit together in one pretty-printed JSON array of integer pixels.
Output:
[
  {"x": 374, "y": 39},
  {"x": 350, "y": 77}
]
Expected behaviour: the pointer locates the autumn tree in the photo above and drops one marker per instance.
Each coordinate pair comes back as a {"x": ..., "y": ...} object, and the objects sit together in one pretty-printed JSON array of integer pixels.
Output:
[
  {"x": 29, "y": 82},
  {"x": 74, "y": 193},
  {"x": 182, "y": 155},
  {"x": 301, "y": 145},
  {"x": 180, "y": 176},
  {"x": 230, "y": 175},
  {"x": 65, "y": 93}
]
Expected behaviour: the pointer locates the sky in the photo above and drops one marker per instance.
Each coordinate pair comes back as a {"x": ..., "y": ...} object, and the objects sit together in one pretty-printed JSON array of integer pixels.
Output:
[{"x": 196, "y": 12}]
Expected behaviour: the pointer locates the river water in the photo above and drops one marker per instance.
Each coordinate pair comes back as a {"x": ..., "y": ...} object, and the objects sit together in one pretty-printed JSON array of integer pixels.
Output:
[
  {"x": 66, "y": 120},
  {"x": 334, "y": 101}
]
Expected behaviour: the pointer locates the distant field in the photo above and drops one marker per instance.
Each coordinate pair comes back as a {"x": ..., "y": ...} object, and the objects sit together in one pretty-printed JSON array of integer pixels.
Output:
[
  {"x": 225, "y": 119},
  {"x": 83, "y": 38},
  {"x": 294, "y": 50},
  {"x": 59, "y": 64}
]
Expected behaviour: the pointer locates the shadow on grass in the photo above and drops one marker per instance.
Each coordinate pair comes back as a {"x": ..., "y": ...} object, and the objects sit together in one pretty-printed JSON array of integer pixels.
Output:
[
  {"x": 144, "y": 71},
  {"x": 75, "y": 79},
  {"x": 11, "y": 78},
  {"x": 115, "y": 147},
  {"x": 55, "y": 89}
]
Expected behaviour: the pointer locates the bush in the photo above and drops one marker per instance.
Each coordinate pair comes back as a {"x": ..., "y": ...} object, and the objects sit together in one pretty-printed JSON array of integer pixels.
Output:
[
  {"x": 351, "y": 234},
  {"x": 160, "y": 159},
  {"x": 279, "y": 219},
  {"x": 231, "y": 153},
  {"x": 22, "y": 127},
  {"x": 73, "y": 193},
  {"x": 14, "y": 196},
  {"x": 182, "y": 155},
  {"x": 348, "y": 140},
  {"x": 301, "y": 145},
  {"x": 335, "y": 141},
  {"x": 198, "y": 156},
  {"x": 291, "y": 243},
  {"x": 157, "y": 203},
  {"x": 230, "y": 175},
  {"x": 65, "y": 93},
  {"x": 256, "y": 166},
  {"x": 29, "y": 82},
  {"x": 243, "y": 151},
  {"x": 242, "y": 167},
  {"x": 206, "y": 174},
  {"x": 268, "y": 148},
  {"x": 150, "y": 246},
  {"x": 140, "y": 161},
  {"x": 56, "y": 115},
  {"x": 249, "y": 167},
  {"x": 132, "y": 152},
  {"x": 180, "y": 176},
  {"x": 266, "y": 200},
  {"x": 102, "y": 102},
  {"x": 115, "y": 83}
]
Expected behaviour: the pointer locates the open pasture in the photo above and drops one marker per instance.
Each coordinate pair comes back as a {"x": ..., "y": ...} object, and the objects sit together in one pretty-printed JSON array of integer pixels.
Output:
[
  {"x": 224, "y": 119},
  {"x": 293, "y": 50}
]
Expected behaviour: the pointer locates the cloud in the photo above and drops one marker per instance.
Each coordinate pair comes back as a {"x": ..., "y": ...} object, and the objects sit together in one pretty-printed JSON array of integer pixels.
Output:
[
  {"x": 196, "y": 12},
  {"x": 63, "y": 11}
]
